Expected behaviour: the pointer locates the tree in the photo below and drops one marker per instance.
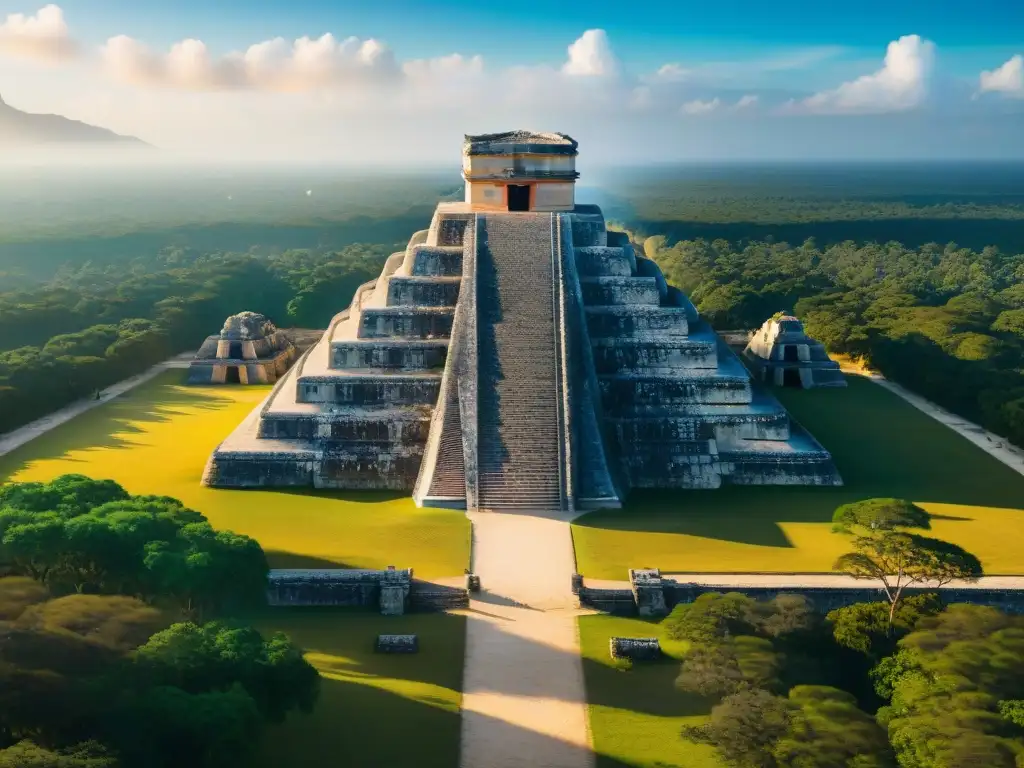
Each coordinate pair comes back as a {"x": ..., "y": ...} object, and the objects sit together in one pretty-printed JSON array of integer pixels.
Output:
[
  {"x": 114, "y": 621},
  {"x": 865, "y": 627},
  {"x": 952, "y": 687},
  {"x": 17, "y": 593},
  {"x": 214, "y": 656},
  {"x": 879, "y": 515},
  {"x": 744, "y": 728},
  {"x": 885, "y": 553},
  {"x": 81, "y": 535},
  {"x": 26, "y": 754}
]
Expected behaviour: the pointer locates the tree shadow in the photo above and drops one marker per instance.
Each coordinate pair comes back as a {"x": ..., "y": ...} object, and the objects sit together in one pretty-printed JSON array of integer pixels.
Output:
[
  {"x": 882, "y": 446},
  {"x": 112, "y": 424},
  {"x": 386, "y": 710},
  {"x": 279, "y": 559}
]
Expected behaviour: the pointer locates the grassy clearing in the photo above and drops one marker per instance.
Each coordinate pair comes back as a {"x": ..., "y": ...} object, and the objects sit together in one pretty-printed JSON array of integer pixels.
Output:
[
  {"x": 155, "y": 439},
  {"x": 636, "y": 714},
  {"x": 882, "y": 445},
  {"x": 374, "y": 709}
]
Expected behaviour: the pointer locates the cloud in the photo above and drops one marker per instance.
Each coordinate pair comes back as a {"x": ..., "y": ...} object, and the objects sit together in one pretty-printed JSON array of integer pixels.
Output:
[
  {"x": 43, "y": 36},
  {"x": 672, "y": 73},
  {"x": 746, "y": 102},
  {"x": 1008, "y": 79},
  {"x": 273, "y": 65},
  {"x": 698, "y": 107},
  {"x": 901, "y": 83},
  {"x": 591, "y": 55}
]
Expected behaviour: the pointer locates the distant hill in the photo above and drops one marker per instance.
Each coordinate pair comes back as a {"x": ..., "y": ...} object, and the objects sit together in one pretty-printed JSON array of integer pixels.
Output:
[{"x": 19, "y": 129}]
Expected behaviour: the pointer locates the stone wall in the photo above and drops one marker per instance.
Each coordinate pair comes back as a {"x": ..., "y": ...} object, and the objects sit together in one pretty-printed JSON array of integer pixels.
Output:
[
  {"x": 357, "y": 588},
  {"x": 620, "y": 602}
]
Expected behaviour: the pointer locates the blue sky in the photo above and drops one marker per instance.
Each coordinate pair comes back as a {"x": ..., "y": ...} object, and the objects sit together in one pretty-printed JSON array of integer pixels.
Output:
[{"x": 775, "y": 77}]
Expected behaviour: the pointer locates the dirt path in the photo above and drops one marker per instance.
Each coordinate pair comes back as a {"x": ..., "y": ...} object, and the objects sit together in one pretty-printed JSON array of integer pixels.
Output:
[
  {"x": 524, "y": 702},
  {"x": 18, "y": 437}
]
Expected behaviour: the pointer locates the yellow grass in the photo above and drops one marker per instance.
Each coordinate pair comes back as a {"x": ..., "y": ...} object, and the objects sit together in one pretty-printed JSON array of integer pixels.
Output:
[
  {"x": 155, "y": 440},
  {"x": 882, "y": 445}
]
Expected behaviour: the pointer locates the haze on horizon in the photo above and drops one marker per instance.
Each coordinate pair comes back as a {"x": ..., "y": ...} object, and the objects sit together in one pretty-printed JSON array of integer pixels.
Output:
[{"x": 304, "y": 82}]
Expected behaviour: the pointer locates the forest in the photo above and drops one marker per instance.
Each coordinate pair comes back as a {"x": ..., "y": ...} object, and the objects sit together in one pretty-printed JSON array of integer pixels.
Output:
[
  {"x": 119, "y": 644},
  {"x": 92, "y": 326},
  {"x": 946, "y": 322}
]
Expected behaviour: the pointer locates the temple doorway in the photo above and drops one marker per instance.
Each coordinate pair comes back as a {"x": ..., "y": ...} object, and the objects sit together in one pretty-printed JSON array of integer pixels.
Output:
[
  {"x": 790, "y": 353},
  {"x": 235, "y": 350},
  {"x": 791, "y": 377},
  {"x": 231, "y": 376},
  {"x": 518, "y": 197}
]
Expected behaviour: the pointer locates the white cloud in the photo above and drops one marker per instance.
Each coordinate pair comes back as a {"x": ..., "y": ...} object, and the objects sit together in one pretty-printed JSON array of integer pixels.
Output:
[
  {"x": 591, "y": 55},
  {"x": 42, "y": 36},
  {"x": 1008, "y": 79},
  {"x": 698, "y": 107},
  {"x": 746, "y": 102},
  {"x": 273, "y": 65},
  {"x": 672, "y": 73},
  {"x": 901, "y": 83}
]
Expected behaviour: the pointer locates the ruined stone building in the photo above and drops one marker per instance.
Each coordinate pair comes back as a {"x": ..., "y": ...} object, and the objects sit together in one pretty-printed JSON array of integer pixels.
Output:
[
  {"x": 518, "y": 354},
  {"x": 248, "y": 350},
  {"x": 780, "y": 353}
]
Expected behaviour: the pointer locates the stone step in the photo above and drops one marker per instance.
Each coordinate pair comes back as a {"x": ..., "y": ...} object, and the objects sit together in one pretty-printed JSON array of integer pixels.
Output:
[
  {"x": 605, "y": 262},
  {"x": 641, "y": 355},
  {"x": 605, "y": 291},
  {"x": 435, "y": 260},
  {"x": 630, "y": 320},
  {"x": 405, "y": 291},
  {"x": 389, "y": 354},
  {"x": 371, "y": 389},
  {"x": 624, "y": 394},
  {"x": 519, "y": 451},
  {"x": 406, "y": 322}
]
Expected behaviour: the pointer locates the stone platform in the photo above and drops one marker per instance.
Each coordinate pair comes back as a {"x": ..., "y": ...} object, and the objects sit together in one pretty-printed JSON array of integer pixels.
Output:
[{"x": 508, "y": 359}]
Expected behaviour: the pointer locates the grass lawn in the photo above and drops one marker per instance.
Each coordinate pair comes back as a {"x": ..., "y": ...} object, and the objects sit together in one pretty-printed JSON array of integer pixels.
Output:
[
  {"x": 155, "y": 440},
  {"x": 374, "y": 709},
  {"x": 882, "y": 445},
  {"x": 636, "y": 714}
]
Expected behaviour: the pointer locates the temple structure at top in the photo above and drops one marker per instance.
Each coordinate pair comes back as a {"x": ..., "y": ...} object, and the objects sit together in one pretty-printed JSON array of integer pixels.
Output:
[
  {"x": 518, "y": 355},
  {"x": 520, "y": 171}
]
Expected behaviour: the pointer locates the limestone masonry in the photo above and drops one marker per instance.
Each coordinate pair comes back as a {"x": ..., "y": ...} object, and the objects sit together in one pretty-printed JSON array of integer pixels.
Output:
[
  {"x": 248, "y": 350},
  {"x": 782, "y": 354},
  {"x": 517, "y": 354}
]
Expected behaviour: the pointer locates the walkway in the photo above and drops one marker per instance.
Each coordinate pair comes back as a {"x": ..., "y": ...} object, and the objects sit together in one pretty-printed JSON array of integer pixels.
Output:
[
  {"x": 524, "y": 702},
  {"x": 18, "y": 437}
]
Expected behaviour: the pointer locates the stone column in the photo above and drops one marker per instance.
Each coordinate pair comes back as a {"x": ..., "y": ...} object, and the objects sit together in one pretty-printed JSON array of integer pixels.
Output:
[
  {"x": 394, "y": 590},
  {"x": 648, "y": 591}
]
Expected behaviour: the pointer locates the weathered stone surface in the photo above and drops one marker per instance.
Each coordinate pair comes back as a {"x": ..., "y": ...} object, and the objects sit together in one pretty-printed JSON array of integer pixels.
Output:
[
  {"x": 648, "y": 591},
  {"x": 397, "y": 644},
  {"x": 248, "y": 350},
  {"x": 780, "y": 353},
  {"x": 635, "y": 648},
  {"x": 518, "y": 358}
]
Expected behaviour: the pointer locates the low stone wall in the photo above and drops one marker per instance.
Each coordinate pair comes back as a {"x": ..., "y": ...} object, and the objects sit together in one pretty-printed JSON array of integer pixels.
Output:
[
  {"x": 620, "y": 602},
  {"x": 358, "y": 588}
]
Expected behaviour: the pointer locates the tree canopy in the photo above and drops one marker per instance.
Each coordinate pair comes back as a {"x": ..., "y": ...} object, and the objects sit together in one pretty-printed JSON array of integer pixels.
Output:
[{"x": 83, "y": 535}]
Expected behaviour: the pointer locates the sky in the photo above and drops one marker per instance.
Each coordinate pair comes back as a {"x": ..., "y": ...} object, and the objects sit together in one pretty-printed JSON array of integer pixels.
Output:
[{"x": 397, "y": 82}]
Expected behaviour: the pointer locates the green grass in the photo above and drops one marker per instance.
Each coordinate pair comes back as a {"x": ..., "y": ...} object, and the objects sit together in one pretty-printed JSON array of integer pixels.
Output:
[
  {"x": 155, "y": 440},
  {"x": 374, "y": 709},
  {"x": 636, "y": 714},
  {"x": 882, "y": 446}
]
